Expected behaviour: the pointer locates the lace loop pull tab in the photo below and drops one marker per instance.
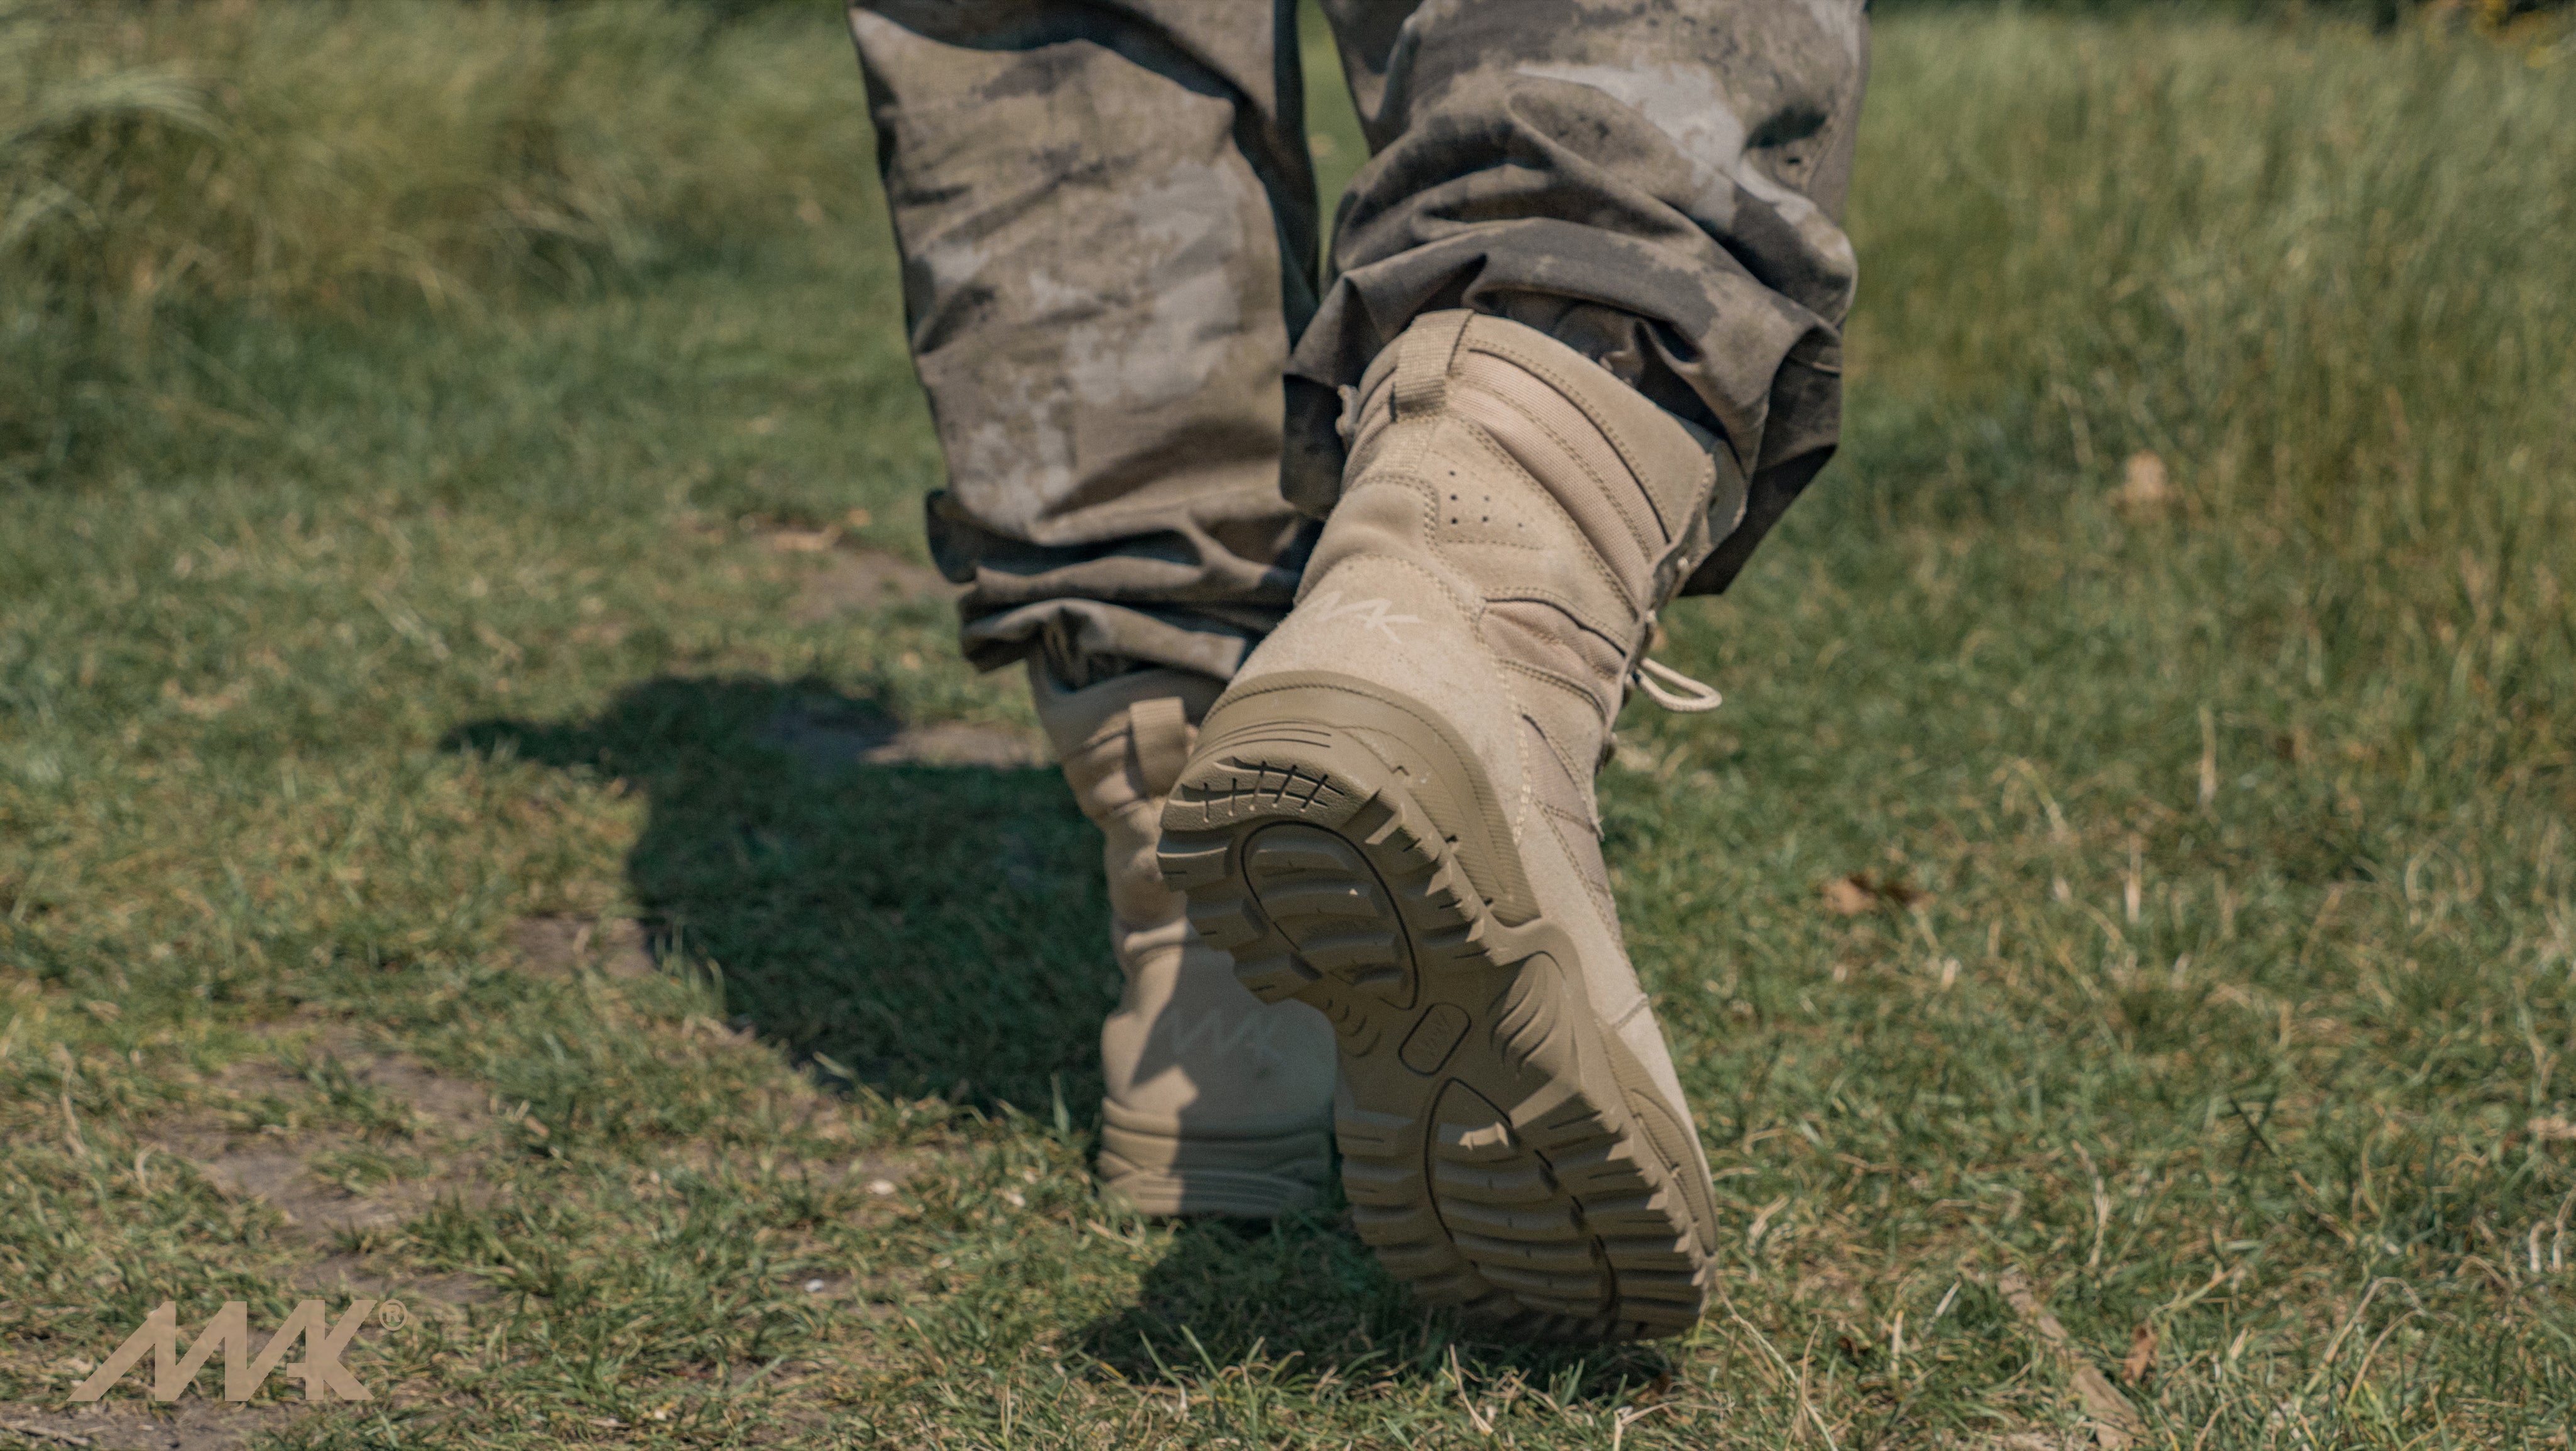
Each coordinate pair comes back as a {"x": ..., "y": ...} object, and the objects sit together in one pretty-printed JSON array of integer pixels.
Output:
[{"x": 1653, "y": 676}]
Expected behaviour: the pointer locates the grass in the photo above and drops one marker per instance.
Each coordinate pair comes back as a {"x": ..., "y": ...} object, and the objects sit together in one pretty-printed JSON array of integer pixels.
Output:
[
  {"x": 2153, "y": 881},
  {"x": 157, "y": 160}
]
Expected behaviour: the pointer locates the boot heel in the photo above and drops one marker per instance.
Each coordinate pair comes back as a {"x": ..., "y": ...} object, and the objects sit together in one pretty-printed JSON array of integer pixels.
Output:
[{"x": 1493, "y": 1154}]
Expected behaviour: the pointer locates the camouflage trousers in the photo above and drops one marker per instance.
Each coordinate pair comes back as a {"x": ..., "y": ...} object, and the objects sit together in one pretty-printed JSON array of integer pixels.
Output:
[{"x": 1108, "y": 225}]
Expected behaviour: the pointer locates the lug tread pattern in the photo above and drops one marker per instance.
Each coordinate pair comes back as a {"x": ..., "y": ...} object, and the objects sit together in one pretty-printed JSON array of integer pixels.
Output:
[{"x": 1552, "y": 1220}]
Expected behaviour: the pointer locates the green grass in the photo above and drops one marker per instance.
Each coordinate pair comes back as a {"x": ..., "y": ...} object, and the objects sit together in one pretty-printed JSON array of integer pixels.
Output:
[
  {"x": 2212, "y": 969},
  {"x": 163, "y": 158}
]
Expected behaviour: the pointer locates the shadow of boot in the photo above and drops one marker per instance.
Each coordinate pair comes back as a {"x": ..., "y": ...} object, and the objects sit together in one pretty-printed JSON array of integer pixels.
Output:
[
  {"x": 921, "y": 905},
  {"x": 1301, "y": 1298}
]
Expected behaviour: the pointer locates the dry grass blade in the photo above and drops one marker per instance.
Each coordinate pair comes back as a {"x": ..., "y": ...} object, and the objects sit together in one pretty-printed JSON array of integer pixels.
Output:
[
  {"x": 2115, "y": 1422},
  {"x": 1794, "y": 1381},
  {"x": 39, "y": 1433}
]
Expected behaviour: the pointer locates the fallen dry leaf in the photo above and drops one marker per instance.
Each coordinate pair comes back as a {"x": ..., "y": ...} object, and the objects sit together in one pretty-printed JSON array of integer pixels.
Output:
[
  {"x": 2552, "y": 1130},
  {"x": 804, "y": 541},
  {"x": 1860, "y": 892},
  {"x": 2141, "y": 1359},
  {"x": 206, "y": 707},
  {"x": 2144, "y": 484},
  {"x": 1850, "y": 896}
]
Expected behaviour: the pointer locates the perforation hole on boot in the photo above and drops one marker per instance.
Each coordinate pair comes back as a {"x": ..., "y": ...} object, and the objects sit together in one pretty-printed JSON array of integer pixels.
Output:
[{"x": 1479, "y": 512}]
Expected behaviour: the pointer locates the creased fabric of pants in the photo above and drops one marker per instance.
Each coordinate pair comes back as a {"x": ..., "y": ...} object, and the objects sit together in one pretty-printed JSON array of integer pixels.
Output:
[{"x": 1107, "y": 219}]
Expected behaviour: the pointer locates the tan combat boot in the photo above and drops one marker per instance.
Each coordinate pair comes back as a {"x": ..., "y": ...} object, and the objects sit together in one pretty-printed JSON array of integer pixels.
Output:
[
  {"x": 1390, "y": 815},
  {"x": 1218, "y": 1103}
]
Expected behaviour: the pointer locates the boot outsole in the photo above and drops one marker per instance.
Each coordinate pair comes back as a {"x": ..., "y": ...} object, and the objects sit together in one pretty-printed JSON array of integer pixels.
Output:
[{"x": 1503, "y": 1153}]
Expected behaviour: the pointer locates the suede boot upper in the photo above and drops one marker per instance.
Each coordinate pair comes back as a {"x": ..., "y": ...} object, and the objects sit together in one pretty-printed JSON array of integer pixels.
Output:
[{"x": 1217, "y": 1103}]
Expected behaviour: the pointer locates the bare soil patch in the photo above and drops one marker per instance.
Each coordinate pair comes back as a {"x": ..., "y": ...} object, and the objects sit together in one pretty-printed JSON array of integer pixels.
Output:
[
  {"x": 619, "y": 947},
  {"x": 281, "y": 1167},
  {"x": 853, "y": 581},
  {"x": 188, "y": 1424}
]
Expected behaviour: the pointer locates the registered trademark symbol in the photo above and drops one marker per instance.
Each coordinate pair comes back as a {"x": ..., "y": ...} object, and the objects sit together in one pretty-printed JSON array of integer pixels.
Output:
[{"x": 392, "y": 1315}]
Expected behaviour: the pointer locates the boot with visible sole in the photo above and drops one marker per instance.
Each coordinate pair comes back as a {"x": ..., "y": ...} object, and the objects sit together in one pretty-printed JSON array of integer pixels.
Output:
[
  {"x": 1217, "y": 1103},
  {"x": 1389, "y": 815}
]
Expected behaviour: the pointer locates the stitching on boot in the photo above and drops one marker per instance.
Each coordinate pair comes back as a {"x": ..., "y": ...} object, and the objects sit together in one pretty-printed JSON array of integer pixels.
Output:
[
  {"x": 1601, "y": 567},
  {"x": 1596, "y": 891},
  {"x": 1500, "y": 344},
  {"x": 1413, "y": 474},
  {"x": 1651, "y": 535},
  {"x": 1572, "y": 609},
  {"x": 1507, "y": 344},
  {"x": 1576, "y": 781},
  {"x": 1409, "y": 480},
  {"x": 1544, "y": 676},
  {"x": 1412, "y": 465},
  {"x": 1612, "y": 540}
]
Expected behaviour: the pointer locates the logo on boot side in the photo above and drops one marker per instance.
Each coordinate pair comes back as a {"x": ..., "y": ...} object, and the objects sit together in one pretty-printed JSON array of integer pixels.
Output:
[
  {"x": 1370, "y": 614},
  {"x": 1220, "y": 1033}
]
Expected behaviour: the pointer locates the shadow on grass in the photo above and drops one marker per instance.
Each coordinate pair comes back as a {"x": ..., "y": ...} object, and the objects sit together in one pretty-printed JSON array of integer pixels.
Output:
[
  {"x": 935, "y": 928},
  {"x": 938, "y": 929},
  {"x": 1303, "y": 1299}
]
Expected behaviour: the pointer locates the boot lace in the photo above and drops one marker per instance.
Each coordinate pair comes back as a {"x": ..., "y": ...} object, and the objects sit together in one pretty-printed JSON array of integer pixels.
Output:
[{"x": 1656, "y": 679}]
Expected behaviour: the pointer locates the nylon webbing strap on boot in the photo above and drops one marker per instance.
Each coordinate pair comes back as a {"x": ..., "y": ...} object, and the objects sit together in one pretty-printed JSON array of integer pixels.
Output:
[{"x": 1422, "y": 362}]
